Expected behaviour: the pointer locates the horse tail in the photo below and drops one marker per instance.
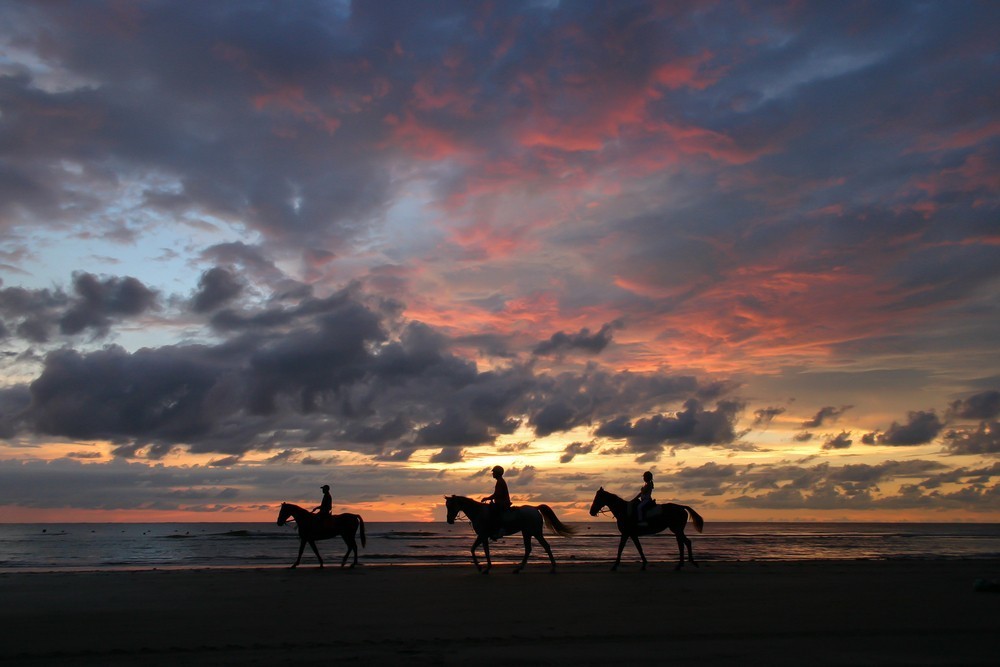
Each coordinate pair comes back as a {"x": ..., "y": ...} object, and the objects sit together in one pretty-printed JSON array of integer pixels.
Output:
[
  {"x": 361, "y": 524},
  {"x": 699, "y": 523},
  {"x": 553, "y": 521}
]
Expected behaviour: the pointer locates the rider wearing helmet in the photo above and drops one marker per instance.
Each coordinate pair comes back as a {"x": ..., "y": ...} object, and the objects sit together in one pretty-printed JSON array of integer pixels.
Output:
[
  {"x": 501, "y": 503},
  {"x": 326, "y": 505}
]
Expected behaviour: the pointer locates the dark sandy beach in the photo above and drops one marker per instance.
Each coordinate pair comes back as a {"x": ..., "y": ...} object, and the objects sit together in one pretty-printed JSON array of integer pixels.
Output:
[{"x": 816, "y": 613}]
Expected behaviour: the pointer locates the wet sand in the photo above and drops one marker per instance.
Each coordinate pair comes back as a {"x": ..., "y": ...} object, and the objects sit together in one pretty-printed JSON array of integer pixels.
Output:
[{"x": 815, "y": 613}]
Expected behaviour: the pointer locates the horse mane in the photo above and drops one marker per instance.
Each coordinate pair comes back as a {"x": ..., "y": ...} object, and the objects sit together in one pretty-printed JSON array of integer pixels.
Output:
[{"x": 613, "y": 495}]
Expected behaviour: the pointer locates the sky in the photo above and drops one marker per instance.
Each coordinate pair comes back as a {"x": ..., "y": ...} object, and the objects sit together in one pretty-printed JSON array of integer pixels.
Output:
[{"x": 249, "y": 248}]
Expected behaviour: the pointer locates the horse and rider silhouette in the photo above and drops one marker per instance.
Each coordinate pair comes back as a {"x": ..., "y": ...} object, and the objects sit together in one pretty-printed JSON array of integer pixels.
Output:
[
  {"x": 527, "y": 520},
  {"x": 312, "y": 527},
  {"x": 498, "y": 518},
  {"x": 655, "y": 519}
]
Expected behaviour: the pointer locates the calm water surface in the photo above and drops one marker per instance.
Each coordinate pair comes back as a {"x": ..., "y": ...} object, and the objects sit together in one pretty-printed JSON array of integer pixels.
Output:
[{"x": 107, "y": 546}]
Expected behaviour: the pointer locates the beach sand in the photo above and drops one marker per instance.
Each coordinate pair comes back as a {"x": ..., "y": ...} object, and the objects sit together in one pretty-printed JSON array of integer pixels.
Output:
[{"x": 797, "y": 613}]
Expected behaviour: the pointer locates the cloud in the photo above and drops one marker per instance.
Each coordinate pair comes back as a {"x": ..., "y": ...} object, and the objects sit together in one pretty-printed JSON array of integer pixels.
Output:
[
  {"x": 575, "y": 449},
  {"x": 840, "y": 441},
  {"x": 983, "y": 439},
  {"x": 349, "y": 226},
  {"x": 96, "y": 303},
  {"x": 825, "y": 414},
  {"x": 338, "y": 369},
  {"x": 583, "y": 340},
  {"x": 765, "y": 416},
  {"x": 215, "y": 287},
  {"x": 691, "y": 426},
  {"x": 920, "y": 428},
  {"x": 984, "y": 405}
]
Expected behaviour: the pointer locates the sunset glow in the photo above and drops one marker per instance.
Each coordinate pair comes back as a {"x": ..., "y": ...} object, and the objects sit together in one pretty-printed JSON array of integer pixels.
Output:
[{"x": 249, "y": 249}]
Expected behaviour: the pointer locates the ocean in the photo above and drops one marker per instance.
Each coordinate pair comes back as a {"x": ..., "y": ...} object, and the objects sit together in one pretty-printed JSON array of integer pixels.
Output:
[{"x": 90, "y": 546}]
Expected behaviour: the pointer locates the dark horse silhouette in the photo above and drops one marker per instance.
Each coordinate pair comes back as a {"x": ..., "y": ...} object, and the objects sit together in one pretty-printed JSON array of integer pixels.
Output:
[
  {"x": 312, "y": 527},
  {"x": 526, "y": 520},
  {"x": 657, "y": 519}
]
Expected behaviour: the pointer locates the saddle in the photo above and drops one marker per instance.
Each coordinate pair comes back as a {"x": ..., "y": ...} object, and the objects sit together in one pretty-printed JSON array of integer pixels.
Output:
[{"x": 652, "y": 510}]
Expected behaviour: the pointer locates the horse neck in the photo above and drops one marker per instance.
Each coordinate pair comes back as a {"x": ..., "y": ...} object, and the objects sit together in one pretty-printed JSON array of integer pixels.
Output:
[
  {"x": 469, "y": 506},
  {"x": 298, "y": 513},
  {"x": 616, "y": 504}
]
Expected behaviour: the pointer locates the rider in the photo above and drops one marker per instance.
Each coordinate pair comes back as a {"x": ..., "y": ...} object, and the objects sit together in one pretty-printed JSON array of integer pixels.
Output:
[
  {"x": 326, "y": 505},
  {"x": 501, "y": 503},
  {"x": 645, "y": 497}
]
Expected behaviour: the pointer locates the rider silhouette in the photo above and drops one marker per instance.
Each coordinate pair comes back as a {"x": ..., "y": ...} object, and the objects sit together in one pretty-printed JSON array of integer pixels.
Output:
[
  {"x": 645, "y": 497},
  {"x": 501, "y": 503},
  {"x": 326, "y": 505}
]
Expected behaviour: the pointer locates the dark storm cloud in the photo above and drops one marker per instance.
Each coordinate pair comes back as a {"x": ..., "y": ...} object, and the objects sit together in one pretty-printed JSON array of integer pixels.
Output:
[
  {"x": 984, "y": 405},
  {"x": 694, "y": 425},
  {"x": 215, "y": 287},
  {"x": 321, "y": 373},
  {"x": 921, "y": 427},
  {"x": 14, "y": 402},
  {"x": 825, "y": 414},
  {"x": 583, "y": 340},
  {"x": 95, "y": 304},
  {"x": 98, "y": 301}
]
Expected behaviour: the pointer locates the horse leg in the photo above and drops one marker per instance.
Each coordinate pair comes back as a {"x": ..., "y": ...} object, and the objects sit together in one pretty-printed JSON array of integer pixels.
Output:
[
  {"x": 312, "y": 543},
  {"x": 527, "y": 551},
  {"x": 351, "y": 546},
  {"x": 475, "y": 560},
  {"x": 302, "y": 547},
  {"x": 621, "y": 548},
  {"x": 635, "y": 541},
  {"x": 486, "y": 550},
  {"x": 680, "y": 546},
  {"x": 548, "y": 550},
  {"x": 687, "y": 541}
]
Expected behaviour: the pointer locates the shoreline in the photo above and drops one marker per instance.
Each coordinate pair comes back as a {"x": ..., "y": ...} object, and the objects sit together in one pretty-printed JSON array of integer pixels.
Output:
[
  {"x": 915, "y": 612},
  {"x": 498, "y": 564}
]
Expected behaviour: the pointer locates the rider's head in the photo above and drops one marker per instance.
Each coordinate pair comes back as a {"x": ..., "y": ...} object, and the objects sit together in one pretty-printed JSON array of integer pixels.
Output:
[
  {"x": 325, "y": 487},
  {"x": 497, "y": 471},
  {"x": 647, "y": 476}
]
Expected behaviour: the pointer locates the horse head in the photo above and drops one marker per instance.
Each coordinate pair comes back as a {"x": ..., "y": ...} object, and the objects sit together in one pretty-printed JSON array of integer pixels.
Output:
[
  {"x": 451, "y": 503},
  {"x": 284, "y": 513},
  {"x": 600, "y": 500}
]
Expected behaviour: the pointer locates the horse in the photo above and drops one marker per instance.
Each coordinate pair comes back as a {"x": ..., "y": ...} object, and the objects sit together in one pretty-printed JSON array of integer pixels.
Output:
[
  {"x": 312, "y": 527},
  {"x": 526, "y": 520},
  {"x": 669, "y": 516}
]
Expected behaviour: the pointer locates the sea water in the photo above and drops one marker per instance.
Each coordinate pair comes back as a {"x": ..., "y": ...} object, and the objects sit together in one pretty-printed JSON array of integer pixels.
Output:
[{"x": 199, "y": 545}]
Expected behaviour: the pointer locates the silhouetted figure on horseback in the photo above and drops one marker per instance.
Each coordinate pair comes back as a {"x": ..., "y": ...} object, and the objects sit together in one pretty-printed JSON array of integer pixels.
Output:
[
  {"x": 325, "y": 506},
  {"x": 500, "y": 503},
  {"x": 656, "y": 518},
  {"x": 644, "y": 499},
  {"x": 313, "y": 527},
  {"x": 526, "y": 519}
]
